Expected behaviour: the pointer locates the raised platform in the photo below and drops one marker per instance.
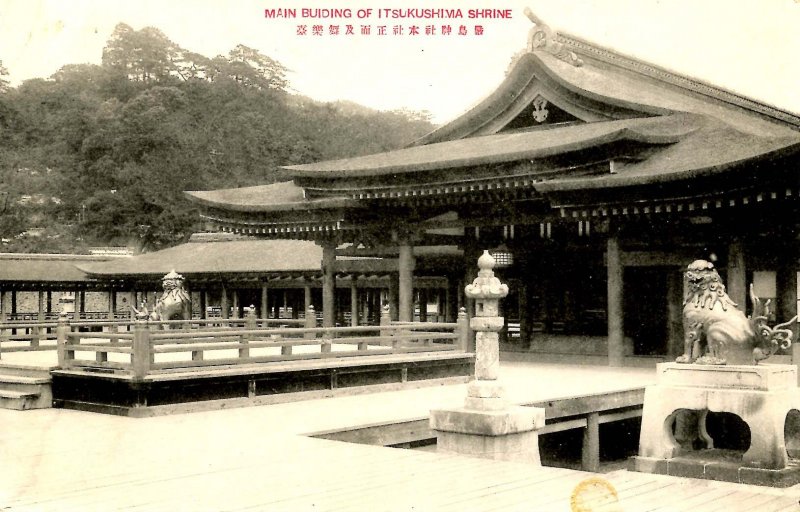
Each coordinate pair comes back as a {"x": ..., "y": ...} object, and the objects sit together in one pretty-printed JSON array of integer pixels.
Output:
[
  {"x": 221, "y": 387},
  {"x": 261, "y": 458}
]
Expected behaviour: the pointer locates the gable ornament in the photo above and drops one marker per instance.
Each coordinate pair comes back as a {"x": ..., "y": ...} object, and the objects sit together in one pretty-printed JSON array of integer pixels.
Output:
[{"x": 544, "y": 38}]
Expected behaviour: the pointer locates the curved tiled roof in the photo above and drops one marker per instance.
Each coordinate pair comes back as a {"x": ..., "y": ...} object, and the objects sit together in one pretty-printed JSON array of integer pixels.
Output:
[
  {"x": 46, "y": 268},
  {"x": 695, "y": 129},
  {"x": 504, "y": 147},
  {"x": 230, "y": 256},
  {"x": 712, "y": 149},
  {"x": 283, "y": 196}
]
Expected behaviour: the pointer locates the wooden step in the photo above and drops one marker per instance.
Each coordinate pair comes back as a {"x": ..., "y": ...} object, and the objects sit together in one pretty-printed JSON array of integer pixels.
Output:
[
  {"x": 19, "y": 400},
  {"x": 25, "y": 387},
  {"x": 25, "y": 370},
  {"x": 23, "y": 379}
]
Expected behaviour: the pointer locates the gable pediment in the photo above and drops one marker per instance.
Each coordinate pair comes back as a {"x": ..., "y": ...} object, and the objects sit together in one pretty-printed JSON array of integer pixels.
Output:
[{"x": 530, "y": 97}]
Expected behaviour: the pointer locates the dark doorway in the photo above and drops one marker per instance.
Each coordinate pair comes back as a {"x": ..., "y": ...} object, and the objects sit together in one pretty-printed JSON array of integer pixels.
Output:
[{"x": 645, "y": 291}]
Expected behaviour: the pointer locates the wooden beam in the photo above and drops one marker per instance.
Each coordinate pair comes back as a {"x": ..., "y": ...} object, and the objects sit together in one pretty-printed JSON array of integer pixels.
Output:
[{"x": 678, "y": 258}]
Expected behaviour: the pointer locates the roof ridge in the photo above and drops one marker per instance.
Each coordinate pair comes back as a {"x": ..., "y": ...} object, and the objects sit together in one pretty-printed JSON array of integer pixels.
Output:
[
  {"x": 57, "y": 256},
  {"x": 613, "y": 57},
  {"x": 566, "y": 47}
]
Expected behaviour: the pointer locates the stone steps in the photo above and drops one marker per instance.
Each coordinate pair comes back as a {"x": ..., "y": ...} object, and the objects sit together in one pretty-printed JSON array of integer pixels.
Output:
[{"x": 25, "y": 387}]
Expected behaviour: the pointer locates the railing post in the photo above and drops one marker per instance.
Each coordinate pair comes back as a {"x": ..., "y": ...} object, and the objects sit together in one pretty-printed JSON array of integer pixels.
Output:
[
  {"x": 386, "y": 321},
  {"x": 325, "y": 346},
  {"x": 463, "y": 329},
  {"x": 142, "y": 355},
  {"x": 311, "y": 321},
  {"x": 65, "y": 357},
  {"x": 250, "y": 323}
]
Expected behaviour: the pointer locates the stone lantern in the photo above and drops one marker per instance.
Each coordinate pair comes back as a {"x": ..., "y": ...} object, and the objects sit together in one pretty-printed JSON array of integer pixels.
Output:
[{"x": 488, "y": 426}]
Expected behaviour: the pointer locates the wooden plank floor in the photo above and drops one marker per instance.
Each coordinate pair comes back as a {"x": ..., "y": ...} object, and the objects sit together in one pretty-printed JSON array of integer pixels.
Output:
[{"x": 257, "y": 458}]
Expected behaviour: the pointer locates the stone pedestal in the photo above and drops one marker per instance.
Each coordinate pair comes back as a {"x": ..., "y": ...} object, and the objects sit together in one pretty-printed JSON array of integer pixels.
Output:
[
  {"x": 508, "y": 434},
  {"x": 765, "y": 397},
  {"x": 488, "y": 426}
]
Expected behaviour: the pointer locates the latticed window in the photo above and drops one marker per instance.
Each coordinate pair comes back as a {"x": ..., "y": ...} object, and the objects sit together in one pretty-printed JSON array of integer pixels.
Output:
[{"x": 502, "y": 258}]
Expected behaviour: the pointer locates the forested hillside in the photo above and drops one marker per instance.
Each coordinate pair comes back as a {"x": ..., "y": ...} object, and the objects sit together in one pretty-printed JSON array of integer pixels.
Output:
[{"x": 100, "y": 154}]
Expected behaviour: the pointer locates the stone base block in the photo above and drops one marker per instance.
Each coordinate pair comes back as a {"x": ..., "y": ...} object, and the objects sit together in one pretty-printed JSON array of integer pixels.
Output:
[
  {"x": 716, "y": 465},
  {"x": 512, "y": 420},
  {"x": 485, "y": 389},
  {"x": 485, "y": 404},
  {"x": 761, "y": 399},
  {"x": 649, "y": 465},
  {"x": 519, "y": 447},
  {"x": 764, "y": 377}
]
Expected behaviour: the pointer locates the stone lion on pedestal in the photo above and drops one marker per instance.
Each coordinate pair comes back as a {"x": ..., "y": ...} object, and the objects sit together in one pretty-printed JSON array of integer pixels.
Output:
[
  {"x": 716, "y": 331},
  {"x": 174, "y": 304}
]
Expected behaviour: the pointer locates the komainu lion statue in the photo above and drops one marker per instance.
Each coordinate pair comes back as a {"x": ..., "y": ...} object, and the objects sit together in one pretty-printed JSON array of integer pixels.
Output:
[
  {"x": 174, "y": 304},
  {"x": 716, "y": 332}
]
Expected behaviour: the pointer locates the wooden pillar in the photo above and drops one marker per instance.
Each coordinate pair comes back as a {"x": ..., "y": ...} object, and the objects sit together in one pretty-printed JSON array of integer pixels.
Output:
[
  {"x": 394, "y": 306},
  {"x": 49, "y": 302},
  {"x": 674, "y": 313},
  {"x": 737, "y": 279},
  {"x": 328, "y": 284},
  {"x": 449, "y": 307},
  {"x": 590, "y": 454},
  {"x": 80, "y": 312},
  {"x": 223, "y": 302},
  {"x": 40, "y": 304},
  {"x": 112, "y": 310},
  {"x": 469, "y": 305},
  {"x": 204, "y": 304},
  {"x": 134, "y": 304},
  {"x": 38, "y": 333},
  {"x": 405, "y": 284},
  {"x": 616, "y": 340},
  {"x": 14, "y": 303},
  {"x": 236, "y": 305},
  {"x": 353, "y": 302},
  {"x": 264, "y": 301},
  {"x": 307, "y": 297},
  {"x": 112, "y": 304}
]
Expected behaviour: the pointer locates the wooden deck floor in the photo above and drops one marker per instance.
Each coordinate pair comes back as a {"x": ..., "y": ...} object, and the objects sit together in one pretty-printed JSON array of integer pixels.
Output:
[{"x": 257, "y": 458}]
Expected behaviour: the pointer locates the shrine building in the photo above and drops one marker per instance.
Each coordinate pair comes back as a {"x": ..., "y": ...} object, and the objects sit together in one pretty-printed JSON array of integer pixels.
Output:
[{"x": 593, "y": 177}]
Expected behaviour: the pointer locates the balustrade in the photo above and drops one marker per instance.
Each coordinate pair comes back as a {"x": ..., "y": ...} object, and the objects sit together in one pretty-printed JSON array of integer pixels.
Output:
[{"x": 152, "y": 347}]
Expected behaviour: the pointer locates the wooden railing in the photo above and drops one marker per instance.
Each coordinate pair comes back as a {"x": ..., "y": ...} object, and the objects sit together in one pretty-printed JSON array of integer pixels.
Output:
[
  {"x": 149, "y": 349},
  {"x": 27, "y": 336},
  {"x": 34, "y": 336}
]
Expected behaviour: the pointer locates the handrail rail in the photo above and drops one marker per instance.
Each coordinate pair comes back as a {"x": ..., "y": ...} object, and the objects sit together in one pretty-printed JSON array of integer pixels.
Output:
[{"x": 144, "y": 343}]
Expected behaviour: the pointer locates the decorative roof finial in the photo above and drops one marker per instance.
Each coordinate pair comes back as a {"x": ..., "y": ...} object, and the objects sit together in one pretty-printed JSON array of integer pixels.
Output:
[{"x": 542, "y": 37}]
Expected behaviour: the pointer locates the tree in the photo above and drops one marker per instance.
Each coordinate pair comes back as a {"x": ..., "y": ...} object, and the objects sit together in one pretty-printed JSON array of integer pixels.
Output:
[
  {"x": 144, "y": 55},
  {"x": 113, "y": 147},
  {"x": 3, "y": 81},
  {"x": 251, "y": 67}
]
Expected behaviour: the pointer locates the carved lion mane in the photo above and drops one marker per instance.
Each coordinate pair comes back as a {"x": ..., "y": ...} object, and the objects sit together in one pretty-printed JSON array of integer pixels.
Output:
[{"x": 716, "y": 331}]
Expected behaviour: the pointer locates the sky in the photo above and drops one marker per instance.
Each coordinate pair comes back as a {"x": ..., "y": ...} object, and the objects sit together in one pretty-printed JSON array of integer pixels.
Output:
[{"x": 747, "y": 46}]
